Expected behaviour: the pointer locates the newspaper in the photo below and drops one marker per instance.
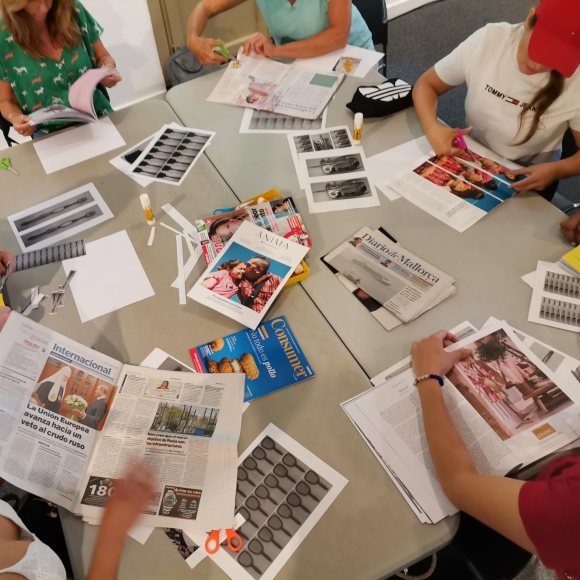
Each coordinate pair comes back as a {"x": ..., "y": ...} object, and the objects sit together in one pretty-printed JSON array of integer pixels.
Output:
[
  {"x": 458, "y": 190},
  {"x": 243, "y": 281},
  {"x": 403, "y": 283},
  {"x": 72, "y": 419},
  {"x": 513, "y": 401},
  {"x": 263, "y": 84},
  {"x": 277, "y": 215}
]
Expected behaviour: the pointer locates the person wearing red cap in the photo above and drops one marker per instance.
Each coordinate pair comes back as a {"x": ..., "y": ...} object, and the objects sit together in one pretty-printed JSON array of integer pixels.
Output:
[
  {"x": 523, "y": 92},
  {"x": 542, "y": 516}
]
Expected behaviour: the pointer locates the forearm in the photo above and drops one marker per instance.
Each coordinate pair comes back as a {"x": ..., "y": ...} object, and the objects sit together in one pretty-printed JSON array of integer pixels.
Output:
[
  {"x": 322, "y": 43},
  {"x": 449, "y": 453},
  {"x": 425, "y": 102},
  {"x": 569, "y": 167},
  {"x": 107, "y": 553},
  {"x": 102, "y": 55}
]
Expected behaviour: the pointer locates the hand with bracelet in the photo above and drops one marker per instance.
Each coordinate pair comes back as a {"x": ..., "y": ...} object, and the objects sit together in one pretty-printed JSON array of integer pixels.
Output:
[{"x": 430, "y": 358}]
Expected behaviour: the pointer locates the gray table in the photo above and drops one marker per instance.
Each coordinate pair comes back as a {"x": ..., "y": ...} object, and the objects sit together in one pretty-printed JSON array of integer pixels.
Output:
[
  {"x": 369, "y": 531},
  {"x": 486, "y": 261}
]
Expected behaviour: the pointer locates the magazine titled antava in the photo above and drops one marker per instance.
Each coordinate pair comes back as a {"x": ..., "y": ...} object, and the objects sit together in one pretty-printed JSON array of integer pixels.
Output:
[{"x": 270, "y": 357}]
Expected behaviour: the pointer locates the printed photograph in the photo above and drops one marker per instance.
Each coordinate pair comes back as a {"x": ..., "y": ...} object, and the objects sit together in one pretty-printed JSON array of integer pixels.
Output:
[
  {"x": 256, "y": 92},
  {"x": 310, "y": 143},
  {"x": 505, "y": 387},
  {"x": 268, "y": 121},
  {"x": 563, "y": 284},
  {"x": 180, "y": 502},
  {"x": 222, "y": 227},
  {"x": 438, "y": 175},
  {"x": 162, "y": 389},
  {"x": 339, "y": 190},
  {"x": 246, "y": 364},
  {"x": 346, "y": 65},
  {"x": 184, "y": 545},
  {"x": 340, "y": 138},
  {"x": 185, "y": 420},
  {"x": 560, "y": 311},
  {"x": 334, "y": 165},
  {"x": 245, "y": 277},
  {"x": 73, "y": 393},
  {"x": 551, "y": 359}
]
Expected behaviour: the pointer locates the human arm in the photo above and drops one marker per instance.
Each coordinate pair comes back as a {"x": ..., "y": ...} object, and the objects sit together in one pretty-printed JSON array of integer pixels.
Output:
[
  {"x": 198, "y": 19},
  {"x": 332, "y": 38},
  {"x": 104, "y": 59},
  {"x": 131, "y": 497},
  {"x": 490, "y": 499},
  {"x": 209, "y": 282},
  {"x": 11, "y": 111},
  {"x": 6, "y": 263}
]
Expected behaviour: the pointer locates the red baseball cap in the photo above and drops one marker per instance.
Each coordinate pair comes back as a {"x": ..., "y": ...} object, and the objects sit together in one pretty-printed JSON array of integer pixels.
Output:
[{"x": 555, "y": 40}]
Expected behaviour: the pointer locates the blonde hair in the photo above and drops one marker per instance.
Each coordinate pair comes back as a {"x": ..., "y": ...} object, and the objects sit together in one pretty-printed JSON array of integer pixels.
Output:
[{"x": 61, "y": 23}]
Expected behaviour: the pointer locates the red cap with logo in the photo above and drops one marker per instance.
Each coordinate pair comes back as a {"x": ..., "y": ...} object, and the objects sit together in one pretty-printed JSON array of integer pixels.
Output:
[{"x": 555, "y": 40}]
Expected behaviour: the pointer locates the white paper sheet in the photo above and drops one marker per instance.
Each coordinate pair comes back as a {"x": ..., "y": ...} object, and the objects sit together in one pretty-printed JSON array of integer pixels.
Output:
[
  {"x": 108, "y": 278},
  {"x": 71, "y": 146},
  {"x": 59, "y": 218},
  {"x": 337, "y": 180},
  {"x": 350, "y": 60},
  {"x": 180, "y": 277},
  {"x": 255, "y": 121},
  {"x": 159, "y": 359},
  {"x": 124, "y": 160}
]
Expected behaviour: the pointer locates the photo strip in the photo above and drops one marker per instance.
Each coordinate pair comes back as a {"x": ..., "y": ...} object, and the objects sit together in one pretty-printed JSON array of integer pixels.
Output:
[
  {"x": 59, "y": 218},
  {"x": 337, "y": 180},
  {"x": 125, "y": 160},
  {"x": 255, "y": 121}
]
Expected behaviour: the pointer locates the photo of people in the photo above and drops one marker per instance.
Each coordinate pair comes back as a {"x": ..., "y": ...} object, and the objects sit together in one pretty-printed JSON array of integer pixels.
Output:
[
  {"x": 505, "y": 387},
  {"x": 73, "y": 393},
  {"x": 246, "y": 278},
  {"x": 163, "y": 389},
  {"x": 185, "y": 420},
  {"x": 256, "y": 92},
  {"x": 222, "y": 227}
]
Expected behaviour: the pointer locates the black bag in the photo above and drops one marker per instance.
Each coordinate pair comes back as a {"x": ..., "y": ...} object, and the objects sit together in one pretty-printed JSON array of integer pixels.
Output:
[
  {"x": 183, "y": 66},
  {"x": 389, "y": 97}
]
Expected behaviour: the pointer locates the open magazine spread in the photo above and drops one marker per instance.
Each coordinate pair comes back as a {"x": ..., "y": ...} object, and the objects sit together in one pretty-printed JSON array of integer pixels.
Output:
[
  {"x": 243, "y": 281},
  {"x": 513, "y": 400},
  {"x": 73, "y": 419},
  {"x": 277, "y": 215},
  {"x": 263, "y": 84},
  {"x": 403, "y": 283},
  {"x": 80, "y": 97},
  {"x": 458, "y": 190}
]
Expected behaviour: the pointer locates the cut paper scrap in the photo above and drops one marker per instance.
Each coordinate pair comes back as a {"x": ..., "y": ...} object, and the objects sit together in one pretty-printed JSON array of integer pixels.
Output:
[{"x": 108, "y": 278}]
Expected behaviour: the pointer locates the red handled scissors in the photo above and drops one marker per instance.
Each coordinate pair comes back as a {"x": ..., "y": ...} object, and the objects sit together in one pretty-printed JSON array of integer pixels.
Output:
[{"x": 234, "y": 541}]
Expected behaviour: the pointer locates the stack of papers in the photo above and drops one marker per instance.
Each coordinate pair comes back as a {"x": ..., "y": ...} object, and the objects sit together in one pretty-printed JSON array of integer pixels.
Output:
[
  {"x": 396, "y": 285},
  {"x": 513, "y": 401}
]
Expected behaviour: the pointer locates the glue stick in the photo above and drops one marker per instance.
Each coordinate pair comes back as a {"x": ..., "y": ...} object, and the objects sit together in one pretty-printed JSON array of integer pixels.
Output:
[
  {"x": 146, "y": 203},
  {"x": 358, "y": 125}
]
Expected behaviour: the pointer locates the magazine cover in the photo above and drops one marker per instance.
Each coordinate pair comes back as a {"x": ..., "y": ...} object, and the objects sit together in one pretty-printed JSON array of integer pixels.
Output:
[
  {"x": 278, "y": 215},
  {"x": 269, "y": 356},
  {"x": 243, "y": 281}
]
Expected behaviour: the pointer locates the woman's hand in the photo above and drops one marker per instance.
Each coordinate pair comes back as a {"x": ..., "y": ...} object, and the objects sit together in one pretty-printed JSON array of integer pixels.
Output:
[
  {"x": 21, "y": 125},
  {"x": 442, "y": 138},
  {"x": 429, "y": 356},
  {"x": 132, "y": 496},
  {"x": 4, "y": 314},
  {"x": 79, "y": 413},
  {"x": 113, "y": 79},
  {"x": 538, "y": 177},
  {"x": 260, "y": 45},
  {"x": 571, "y": 228},
  {"x": 202, "y": 48},
  {"x": 6, "y": 263}
]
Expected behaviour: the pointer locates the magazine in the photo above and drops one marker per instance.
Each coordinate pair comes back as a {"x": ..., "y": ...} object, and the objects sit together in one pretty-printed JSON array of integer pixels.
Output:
[
  {"x": 260, "y": 83},
  {"x": 269, "y": 356},
  {"x": 458, "y": 190},
  {"x": 403, "y": 283},
  {"x": 80, "y": 97},
  {"x": 513, "y": 400},
  {"x": 73, "y": 419},
  {"x": 277, "y": 215},
  {"x": 243, "y": 281}
]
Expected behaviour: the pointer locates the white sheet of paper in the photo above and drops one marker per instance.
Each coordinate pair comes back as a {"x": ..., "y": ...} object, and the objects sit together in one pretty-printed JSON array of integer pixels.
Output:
[
  {"x": 108, "y": 278},
  {"x": 124, "y": 166},
  {"x": 71, "y": 146},
  {"x": 350, "y": 60},
  {"x": 159, "y": 359},
  {"x": 180, "y": 277}
]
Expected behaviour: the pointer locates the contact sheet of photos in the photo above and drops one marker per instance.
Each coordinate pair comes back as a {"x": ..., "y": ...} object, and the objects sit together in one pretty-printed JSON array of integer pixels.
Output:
[
  {"x": 171, "y": 154},
  {"x": 283, "y": 491},
  {"x": 255, "y": 121},
  {"x": 59, "y": 218}
]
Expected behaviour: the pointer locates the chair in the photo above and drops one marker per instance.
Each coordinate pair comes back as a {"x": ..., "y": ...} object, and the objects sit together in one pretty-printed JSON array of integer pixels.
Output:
[{"x": 374, "y": 13}]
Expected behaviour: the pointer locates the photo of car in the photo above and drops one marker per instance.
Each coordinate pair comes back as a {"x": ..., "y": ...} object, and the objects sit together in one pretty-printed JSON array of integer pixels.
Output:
[
  {"x": 349, "y": 188},
  {"x": 342, "y": 164}
]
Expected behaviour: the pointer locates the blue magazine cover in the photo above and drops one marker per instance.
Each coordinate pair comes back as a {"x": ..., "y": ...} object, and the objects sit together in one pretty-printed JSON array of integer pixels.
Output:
[{"x": 270, "y": 357}]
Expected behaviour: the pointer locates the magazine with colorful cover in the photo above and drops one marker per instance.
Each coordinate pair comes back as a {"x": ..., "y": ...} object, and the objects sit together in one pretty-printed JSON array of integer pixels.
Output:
[
  {"x": 277, "y": 215},
  {"x": 269, "y": 356},
  {"x": 243, "y": 281}
]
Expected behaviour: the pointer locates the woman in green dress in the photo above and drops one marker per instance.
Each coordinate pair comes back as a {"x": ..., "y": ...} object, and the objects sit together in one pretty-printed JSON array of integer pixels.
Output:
[{"x": 45, "y": 46}]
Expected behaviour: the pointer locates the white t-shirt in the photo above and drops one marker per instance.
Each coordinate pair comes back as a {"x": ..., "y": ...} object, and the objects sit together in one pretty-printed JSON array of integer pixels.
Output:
[
  {"x": 497, "y": 91},
  {"x": 39, "y": 561}
]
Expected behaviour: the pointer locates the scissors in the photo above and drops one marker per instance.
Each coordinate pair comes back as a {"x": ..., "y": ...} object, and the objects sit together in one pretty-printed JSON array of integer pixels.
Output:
[
  {"x": 6, "y": 163},
  {"x": 234, "y": 541}
]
